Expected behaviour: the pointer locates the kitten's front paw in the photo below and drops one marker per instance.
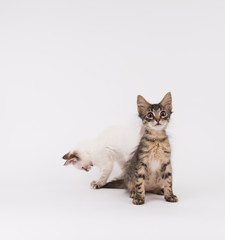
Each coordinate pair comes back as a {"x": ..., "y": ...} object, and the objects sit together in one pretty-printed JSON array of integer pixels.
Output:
[
  {"x": 138, "y": 201},
  {"x": 95, "y": 185},
  {"x": 171, "y": 198}
]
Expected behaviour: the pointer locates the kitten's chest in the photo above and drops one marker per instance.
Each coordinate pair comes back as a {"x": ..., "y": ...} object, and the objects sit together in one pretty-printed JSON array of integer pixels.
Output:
[{"x": 156, "y": 157}]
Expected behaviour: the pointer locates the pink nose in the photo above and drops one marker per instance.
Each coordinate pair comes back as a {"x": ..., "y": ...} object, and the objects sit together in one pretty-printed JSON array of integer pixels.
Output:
[{"x": 157, "y": 120}]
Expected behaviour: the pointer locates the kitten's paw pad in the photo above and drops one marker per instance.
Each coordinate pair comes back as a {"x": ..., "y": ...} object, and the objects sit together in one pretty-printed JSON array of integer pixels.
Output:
[
  {"x": 171, "y": 198},
  {"x": 95, "y": 185},
  {"x": 138, "y": 201}
]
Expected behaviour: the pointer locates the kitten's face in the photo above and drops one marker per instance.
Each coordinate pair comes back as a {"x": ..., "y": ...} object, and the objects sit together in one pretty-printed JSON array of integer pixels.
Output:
[
  {"x": 155, "y": 116},
  {"x": 76, "y": 160}
]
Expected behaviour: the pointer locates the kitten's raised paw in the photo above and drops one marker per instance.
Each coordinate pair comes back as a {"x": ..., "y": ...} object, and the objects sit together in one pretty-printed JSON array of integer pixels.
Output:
[
  {"x": 95, "y": 185},
  {"x": 171, "y": 198},
  {"x": 138, "y": 201}
]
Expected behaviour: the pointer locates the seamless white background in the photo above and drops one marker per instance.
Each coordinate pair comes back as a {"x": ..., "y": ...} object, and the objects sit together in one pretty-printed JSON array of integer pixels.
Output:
[{"x": 68, "y": 69}]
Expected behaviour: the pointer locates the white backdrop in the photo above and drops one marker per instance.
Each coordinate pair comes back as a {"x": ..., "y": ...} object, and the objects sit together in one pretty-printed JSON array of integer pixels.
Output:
[{"x": 68, "y": 69}]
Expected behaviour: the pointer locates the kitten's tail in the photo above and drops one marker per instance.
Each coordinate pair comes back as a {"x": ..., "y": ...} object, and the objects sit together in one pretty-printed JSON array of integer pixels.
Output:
[{"x": 115, "y": 184}]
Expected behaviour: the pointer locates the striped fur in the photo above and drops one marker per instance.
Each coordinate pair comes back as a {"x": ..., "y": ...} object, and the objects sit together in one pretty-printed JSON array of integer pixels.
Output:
[{"x": 149, "y": 169}]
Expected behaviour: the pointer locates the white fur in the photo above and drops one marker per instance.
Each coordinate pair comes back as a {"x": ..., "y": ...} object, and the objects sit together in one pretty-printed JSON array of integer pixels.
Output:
[
  {"x": 115, "y": 144},
  {"x": 155, "y": 127},
  {"x": 154, "y": 165}
]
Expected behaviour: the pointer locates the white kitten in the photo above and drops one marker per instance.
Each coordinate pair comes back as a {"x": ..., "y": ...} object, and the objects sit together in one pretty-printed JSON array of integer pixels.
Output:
[{"x": 113, "y": 145}]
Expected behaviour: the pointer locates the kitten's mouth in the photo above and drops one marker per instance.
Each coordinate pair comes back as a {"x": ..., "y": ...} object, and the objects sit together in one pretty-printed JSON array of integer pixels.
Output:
[
  {"x": 88, "y": 168},
  {"x": 85, "y": 169},
  {"x": 158, "y": 124}
]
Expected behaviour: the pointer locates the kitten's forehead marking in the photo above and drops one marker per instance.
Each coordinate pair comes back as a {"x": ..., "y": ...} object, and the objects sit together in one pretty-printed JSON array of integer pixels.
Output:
[{"x": 155, "y": 107}]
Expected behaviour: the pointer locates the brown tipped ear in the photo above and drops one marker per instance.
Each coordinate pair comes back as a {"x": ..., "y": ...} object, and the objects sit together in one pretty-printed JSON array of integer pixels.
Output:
[
  {"x": 142, "y": 106},
  {"x": 70, "y": 155},
  {"x": 71, "y": 158},
  {"x": 167, "y": 101},
  {"x": 66, "y": 156}
]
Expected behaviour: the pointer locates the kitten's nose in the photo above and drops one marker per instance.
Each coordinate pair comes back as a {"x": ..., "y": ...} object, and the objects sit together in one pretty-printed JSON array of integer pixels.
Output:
[{"x": 157, "y": 120}]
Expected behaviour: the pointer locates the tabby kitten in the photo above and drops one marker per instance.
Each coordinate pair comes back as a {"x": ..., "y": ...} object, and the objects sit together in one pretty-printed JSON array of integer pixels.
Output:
[{"x": 149, "y": 169}]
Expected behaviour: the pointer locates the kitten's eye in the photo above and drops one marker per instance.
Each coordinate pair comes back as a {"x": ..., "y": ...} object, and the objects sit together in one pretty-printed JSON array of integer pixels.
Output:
[
  {"x": 163, "y": 114},
  {"x": 150, "y": 115}
]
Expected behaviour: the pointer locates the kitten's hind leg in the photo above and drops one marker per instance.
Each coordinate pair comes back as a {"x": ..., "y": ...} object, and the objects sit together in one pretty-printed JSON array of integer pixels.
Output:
[
  {"x": 132, "y": 194},
  {"x": 131, "y": 189},
  {"x": 121, "y": 162},
  {"x": 105, "y": 173}
]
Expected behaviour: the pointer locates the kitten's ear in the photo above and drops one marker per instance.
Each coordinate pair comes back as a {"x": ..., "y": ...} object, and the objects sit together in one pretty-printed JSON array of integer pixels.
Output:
[
  {"x": 66, "y": 156},
  {"x": 71, "y": 158},
  {"x": 142, "y": 106},
  {"x": 167, "y": 101}
]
